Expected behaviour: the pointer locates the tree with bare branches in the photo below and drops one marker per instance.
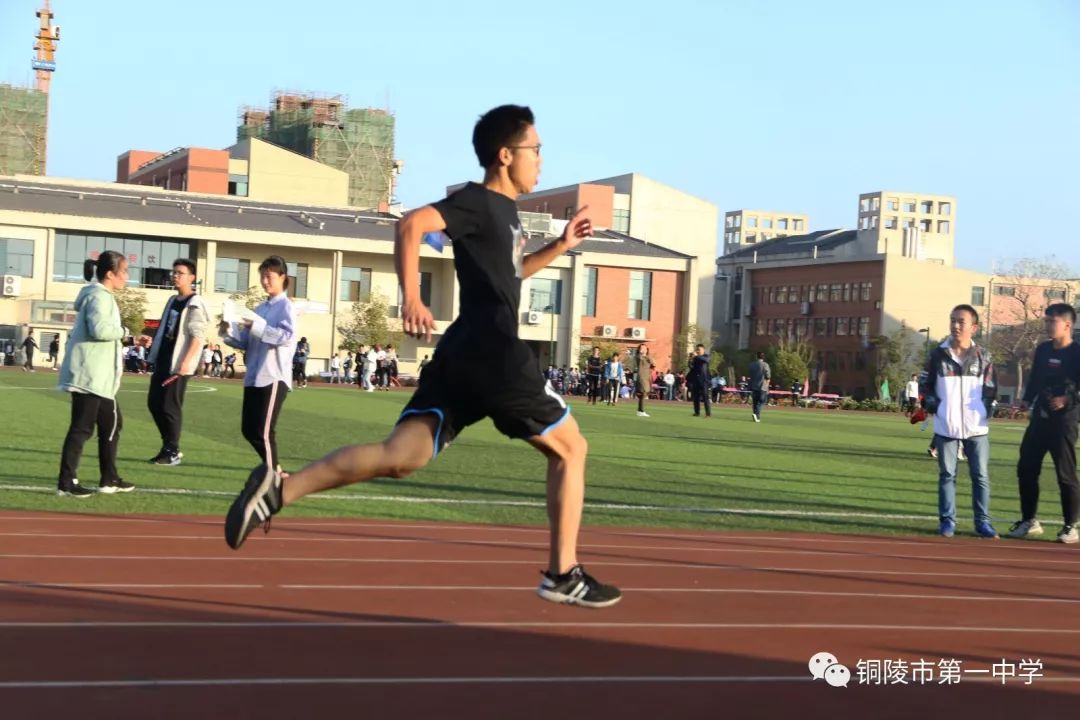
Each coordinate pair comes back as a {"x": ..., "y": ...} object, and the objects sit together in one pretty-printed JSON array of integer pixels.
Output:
[{"x": 1019, "y": 294}]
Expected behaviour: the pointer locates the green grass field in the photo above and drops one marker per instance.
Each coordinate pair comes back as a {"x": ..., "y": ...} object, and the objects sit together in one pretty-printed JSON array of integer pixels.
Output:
[{"x": 831, "y": 471}]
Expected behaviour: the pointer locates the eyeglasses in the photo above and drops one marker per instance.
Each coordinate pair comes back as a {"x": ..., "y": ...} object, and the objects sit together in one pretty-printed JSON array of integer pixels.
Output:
[{"x": 535, "y": 148}]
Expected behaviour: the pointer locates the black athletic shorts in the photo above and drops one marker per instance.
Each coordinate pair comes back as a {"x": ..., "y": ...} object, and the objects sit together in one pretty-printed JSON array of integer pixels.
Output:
[{"x": 473, "y": 375}]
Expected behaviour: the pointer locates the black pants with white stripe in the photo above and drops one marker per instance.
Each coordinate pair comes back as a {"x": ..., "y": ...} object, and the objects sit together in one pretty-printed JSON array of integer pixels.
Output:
[
  {"x": 166, "y": 403},
  {"x": 1057, "y": 436},
  {"x": 87, "y": 411},
  {"x": 262, "y": 405}
]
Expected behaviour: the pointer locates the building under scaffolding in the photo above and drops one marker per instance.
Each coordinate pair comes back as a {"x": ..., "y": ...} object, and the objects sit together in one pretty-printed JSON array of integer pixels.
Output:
[
  {"x": 23, "y": 125},
  {"x": 358, "y": 141}
]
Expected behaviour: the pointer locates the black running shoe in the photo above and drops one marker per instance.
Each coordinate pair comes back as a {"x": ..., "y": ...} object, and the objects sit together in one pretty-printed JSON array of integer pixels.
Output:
[
  {"x": 260, "y": 499},
  {"x": 73, "y": 489},
  {"x": 577, "y": 588},
  {"x": 166, "y": 458},
  {"x": 116, "y": 486}
]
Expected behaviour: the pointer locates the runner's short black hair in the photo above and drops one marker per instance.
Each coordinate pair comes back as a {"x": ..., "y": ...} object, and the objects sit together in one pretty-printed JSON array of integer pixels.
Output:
[
  {"x": 968, "y": 309},
  {"x": 1064, "y": 310},
  {"x": 499, "y": 128},
  {"x": 185, "y": 262}
]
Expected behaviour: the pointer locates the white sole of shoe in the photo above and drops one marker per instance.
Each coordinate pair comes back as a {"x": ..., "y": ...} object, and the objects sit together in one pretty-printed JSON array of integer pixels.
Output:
[
  {"x": 1072, "y": 540},
  {"x": 65, "y": 493},
  {"x": 112, "y": 489},
  {"x": 561, "y": 599}
]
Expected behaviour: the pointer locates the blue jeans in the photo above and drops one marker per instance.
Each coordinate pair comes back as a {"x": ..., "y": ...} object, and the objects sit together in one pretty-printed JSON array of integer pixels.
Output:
[
  {"x": 761, "y": 399},
  {"x": 977, "y": 450}
]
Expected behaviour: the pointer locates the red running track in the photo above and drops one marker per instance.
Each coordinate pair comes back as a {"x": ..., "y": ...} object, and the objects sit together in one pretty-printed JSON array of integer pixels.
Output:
[{"x": 154, "y": 617}]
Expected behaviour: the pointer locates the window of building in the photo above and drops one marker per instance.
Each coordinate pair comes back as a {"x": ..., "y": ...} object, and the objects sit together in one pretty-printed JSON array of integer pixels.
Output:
[
  {"x": 781, "y": 294},
  {"x": 793, "y": 294},
  {"x": 978, "y": 296},
  {"x": 892, "y": 204},
  {"x": 568, "y": 212},
  {"x": 865, "y": 289},
  {"x": 355, "y": 284},
  {"x": 620, "y": 221},
  {"x": 864, "y": 205},
  {"x": 751, "y": 238},
  {"x": 798, "y": 225},
  {"x": 238, "y": 185},
  {"x": 891, "y": 222},
  {"x": 735, "y": 237},
  {"x": 772, "y": 295},
  {"x": 847, "y": 292},
  {"x": 545, "y": 295},
  {"x": 736, "y": 305},
  {"x": 425, "y": 289},
  {"x": 751, "y": 221},
  {"x": 1054, "y": 295},
  {"x": 830, "y": 327},
  {"x": 640, "y": 295},
  {"x": 766, "y": 223},
  {"x": 830, "y": 360},
  {"x": 819, "y": 327},
  {"x": 926, "y": 207},
  {"x": 591, "y": 277},
  {"x": 738, "y": 221},
  {"x": 231, "y": 275},
  {"x": 842, "y": 325},
  {"x": 1005, "y": 290},
  {"x": 944, "y": 208},
  {"x": 17, "y": 257},
  {"x": 298, "y": 282},
  {"x": 926, "y": 225},
  {"x": 875, "y": 204},
  {"x": 149, "y": 258},
  {"x": 822, "y": 293},
  {"x": 860, "y": 361},
  {"x": 835, "y": 292},
  {"x": 729, "y": 221},
  {"x": 943, "y": 226},
  {"x": 909, "y": 206},
  {"x": 864, "y": 327},
  {"x": 873, "y": 222},
  {"x": 759, "y": 327},
  {"x": 864, "y": 222},
  {"x": 782, "y": 224}
]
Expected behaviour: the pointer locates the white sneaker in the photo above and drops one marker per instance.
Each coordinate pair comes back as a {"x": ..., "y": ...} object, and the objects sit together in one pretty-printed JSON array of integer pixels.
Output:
[
  {"x": 1025, "y": 528},
  {"x": 1068, "y": 535},
  {"x": 756, "y": 418},
  {"x": 642, "y": 414}
]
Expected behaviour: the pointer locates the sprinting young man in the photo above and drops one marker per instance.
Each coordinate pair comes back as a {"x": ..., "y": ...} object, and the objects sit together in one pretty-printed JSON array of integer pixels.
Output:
[
  {"x": 1053, "y": 394},
  {"x": 958, "y": 387},
  {"x": 463, "y": 384}
]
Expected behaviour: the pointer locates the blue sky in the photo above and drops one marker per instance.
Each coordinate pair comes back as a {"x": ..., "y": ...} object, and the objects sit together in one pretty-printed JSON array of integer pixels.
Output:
[{"x": 791, "y": 106}]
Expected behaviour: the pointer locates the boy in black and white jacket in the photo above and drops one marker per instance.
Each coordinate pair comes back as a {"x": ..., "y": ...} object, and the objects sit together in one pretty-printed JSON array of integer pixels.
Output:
[{"x": 958, "y": 386}]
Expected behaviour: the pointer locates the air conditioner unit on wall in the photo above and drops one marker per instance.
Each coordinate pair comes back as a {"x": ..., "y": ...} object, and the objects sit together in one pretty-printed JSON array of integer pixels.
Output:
[
  {"x": 637, "y": 333},
  {"x": 608, "y": 331},
  {"x": 534, "y": 317},
  {"x": 11, "y": 286},
  {"x": 804, "y": 309}
]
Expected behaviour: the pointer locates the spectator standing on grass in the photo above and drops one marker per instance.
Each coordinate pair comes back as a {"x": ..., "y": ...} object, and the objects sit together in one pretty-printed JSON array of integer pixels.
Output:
[
  {"x": 1053, "y": 395},
  {"x": 760, "y": 375},
  {"x": 642, "y": 374},
  {"x": 911, "y": 394},
  {"x": 303, "y": 349},
  {"x": 959, "y": 384},
  {"x": 29, "y": 345},
  {"x": 698, "y": 379},
  {"x": 91, "y": 372}
]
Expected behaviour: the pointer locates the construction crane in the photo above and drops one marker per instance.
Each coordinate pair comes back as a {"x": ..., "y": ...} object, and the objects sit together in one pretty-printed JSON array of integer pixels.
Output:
[{"x": 44, "y": 62}]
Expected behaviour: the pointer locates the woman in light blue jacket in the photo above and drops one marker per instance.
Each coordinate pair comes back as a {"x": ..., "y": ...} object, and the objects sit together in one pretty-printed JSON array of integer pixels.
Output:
[{"x": 93, "y": 366}]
